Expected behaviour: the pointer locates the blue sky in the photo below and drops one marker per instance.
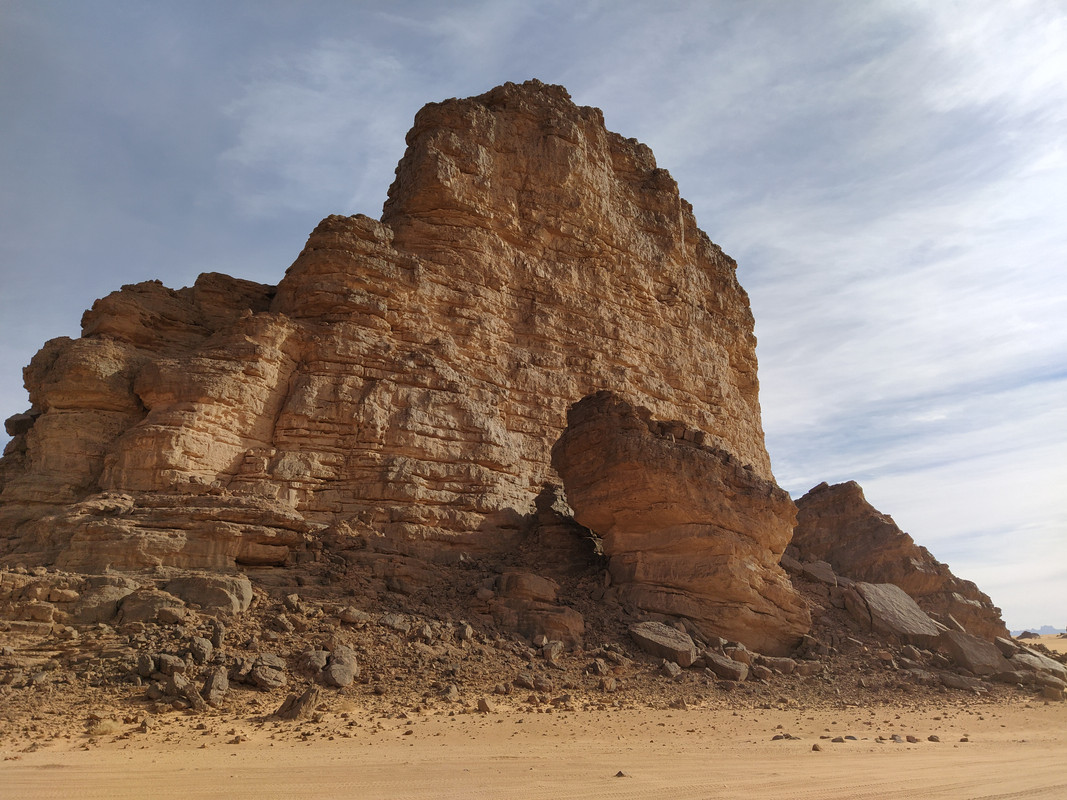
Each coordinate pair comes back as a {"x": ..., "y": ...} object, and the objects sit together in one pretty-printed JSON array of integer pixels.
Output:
[{"x": 890, "y": 176}]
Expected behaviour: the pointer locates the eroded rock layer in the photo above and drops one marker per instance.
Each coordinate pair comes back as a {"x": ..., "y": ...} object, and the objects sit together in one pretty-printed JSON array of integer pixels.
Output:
[
  {"x": 689, "y": 530},
  {"x": 836, "y": 524},
  {"x": 408, "y": 374}
]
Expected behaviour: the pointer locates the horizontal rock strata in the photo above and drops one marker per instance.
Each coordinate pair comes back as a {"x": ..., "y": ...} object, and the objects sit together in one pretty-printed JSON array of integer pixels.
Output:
[{"x": 409, "y": 374}]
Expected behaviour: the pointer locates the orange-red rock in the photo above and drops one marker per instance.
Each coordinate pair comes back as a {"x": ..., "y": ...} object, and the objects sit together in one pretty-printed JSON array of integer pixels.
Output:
[
  {"x": 836, "y": 524},
  {"x": 690, "y": 531},
  {"x": 409, "y": 374}
]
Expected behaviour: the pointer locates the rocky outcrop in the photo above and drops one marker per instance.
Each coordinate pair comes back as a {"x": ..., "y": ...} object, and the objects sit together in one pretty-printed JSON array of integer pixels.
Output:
[
  {"x": 690, "y": 531},
  {"x": 408, "y": 375},
  {"x": 837, "y": 525},
  {"x": 887, "y": 609}
]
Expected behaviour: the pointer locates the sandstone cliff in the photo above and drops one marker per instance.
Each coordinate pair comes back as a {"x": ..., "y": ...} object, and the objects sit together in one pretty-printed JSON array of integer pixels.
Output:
[
  {"x": 689, "y": 531},
  {"x": 837, "y": 525},
  {"x": 407, "y": 375}
]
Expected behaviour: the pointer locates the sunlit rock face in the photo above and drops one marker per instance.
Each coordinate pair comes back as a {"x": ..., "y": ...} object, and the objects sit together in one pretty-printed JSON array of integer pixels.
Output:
[
  {"x": 407, "y": 376},
  {"x": 836, "y": 524},
  {"x": 690, "y": 531}
]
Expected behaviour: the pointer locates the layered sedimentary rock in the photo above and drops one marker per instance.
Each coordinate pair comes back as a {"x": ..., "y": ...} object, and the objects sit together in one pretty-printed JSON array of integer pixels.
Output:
[
  {"x": 690, "y": 531},
  {"x": 408, "y": 374},
  {"x": 836, "y": 524}
]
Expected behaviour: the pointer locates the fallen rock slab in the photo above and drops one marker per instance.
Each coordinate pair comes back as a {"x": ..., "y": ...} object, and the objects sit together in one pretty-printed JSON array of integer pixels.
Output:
[
  {"x": 973, "y": 654},
  {"x": 725, "y": 667},
  {"x": 664, "y": 641},
  {"x": 690, "y": 530},
  {"x": 232, "y": 593},
  {"x": 887, "y": 609}
]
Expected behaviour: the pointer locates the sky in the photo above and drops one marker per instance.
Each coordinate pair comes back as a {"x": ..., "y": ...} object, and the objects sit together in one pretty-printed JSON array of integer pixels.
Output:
[{"x": 891, "y": 177}]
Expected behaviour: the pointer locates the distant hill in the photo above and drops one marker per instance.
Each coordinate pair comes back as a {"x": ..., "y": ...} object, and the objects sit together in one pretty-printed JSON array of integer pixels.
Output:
[{"x": 1044, "y": 630}]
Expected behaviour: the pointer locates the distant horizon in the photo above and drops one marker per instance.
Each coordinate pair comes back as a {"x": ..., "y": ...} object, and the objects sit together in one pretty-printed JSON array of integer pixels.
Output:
[{"x": 1043, "y": 630}]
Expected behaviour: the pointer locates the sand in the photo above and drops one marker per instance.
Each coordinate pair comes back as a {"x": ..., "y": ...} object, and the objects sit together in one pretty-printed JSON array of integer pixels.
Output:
[
  {"x": 1056, "y": 642},
  {"x": 1014, "y": 750}
]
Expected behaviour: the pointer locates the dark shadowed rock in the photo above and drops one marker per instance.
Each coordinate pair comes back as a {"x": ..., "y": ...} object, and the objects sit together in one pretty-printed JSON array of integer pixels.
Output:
[{"x": 298, "y": 707}]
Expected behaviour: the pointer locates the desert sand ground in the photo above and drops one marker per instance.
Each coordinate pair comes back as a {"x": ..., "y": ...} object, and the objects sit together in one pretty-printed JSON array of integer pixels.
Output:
[
  {"x": 1057, "y": 642},
  {"x": 1003, "y": 750}
]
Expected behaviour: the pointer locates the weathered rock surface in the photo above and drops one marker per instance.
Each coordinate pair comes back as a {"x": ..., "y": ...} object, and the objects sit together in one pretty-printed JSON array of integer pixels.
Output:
[
  {"x": 409, "y": 374},
  {"x": 689, "y": 530},
  {"x": 837, "y": 525},
  {"x": 888, "y": 609},
  {"x": 1028, "y": 659},
  {"x": 664, "y": 641},
  {"x": 974, "y": 654},
  {"x": 342, "y": 667},
  {"x": 725, "y": 667},
  {"x": 527, "y": 603}
]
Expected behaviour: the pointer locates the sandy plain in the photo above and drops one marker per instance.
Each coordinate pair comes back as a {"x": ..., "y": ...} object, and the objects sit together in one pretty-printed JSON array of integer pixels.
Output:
[
  {"x": 986, "y": 750},
  {"x": 1057, "y": 642}
]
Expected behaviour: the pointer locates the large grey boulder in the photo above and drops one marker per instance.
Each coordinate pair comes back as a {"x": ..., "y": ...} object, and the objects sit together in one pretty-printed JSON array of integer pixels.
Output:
[
  {"x": 664, "y": 641},
  {"x": 1031, "y": 660},
  {"x": 973, "y": 654},
  {"x": 725, "y": 667},
  {"x": 887, "y": 609},
  {"x": 341, "y": 668}
]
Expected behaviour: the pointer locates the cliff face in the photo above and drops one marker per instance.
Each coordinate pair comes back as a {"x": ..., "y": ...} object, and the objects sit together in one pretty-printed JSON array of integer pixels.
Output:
[
  {"x": 689, "y": 531},
  {"x": 836, "y": 524},
  {"x": 408, "y": 375}
]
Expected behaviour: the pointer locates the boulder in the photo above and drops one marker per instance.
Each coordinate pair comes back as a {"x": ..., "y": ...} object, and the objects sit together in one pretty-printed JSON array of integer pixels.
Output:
[
  {"x": 665, "y": 642},
  {"x": 1036, "y": 662},
  {"x": 144, "y": 605},
  {"x": 525, "y": 586},
  {"x": 837, "y": 525},
  {"x": 887, "y": 609},
  {"x": 268, "y": 672},
  {"x": 526, "y": 603},
  {"x": 216, "y": 686},
  {"x": 200, "y": 649},
  {"x": 100, "y": 598},
  {"x": 342, "y": 668},
  {"x": 298, "y": 707},
  {"x": 230, "y": 593},
  {"x": 819, "y": 571},
  {"x": 725, "y": 667},
  {"x": 973, "y": 654},
  {"x": 690, "y": 530}
]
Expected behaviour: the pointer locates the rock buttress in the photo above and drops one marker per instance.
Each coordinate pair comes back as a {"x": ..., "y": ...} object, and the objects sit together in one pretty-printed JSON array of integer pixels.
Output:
[
  {"x": 409, "y": 373},
  {"x": 689, "y": 530},
  {"x": 836, "y": 524}
]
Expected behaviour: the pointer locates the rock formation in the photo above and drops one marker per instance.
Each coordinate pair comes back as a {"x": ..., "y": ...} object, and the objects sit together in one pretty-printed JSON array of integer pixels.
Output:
[
  {"x": 689, "y": 530},
  {"x": 837, "y": 525},
  {"x": 407, "y": 376}
]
